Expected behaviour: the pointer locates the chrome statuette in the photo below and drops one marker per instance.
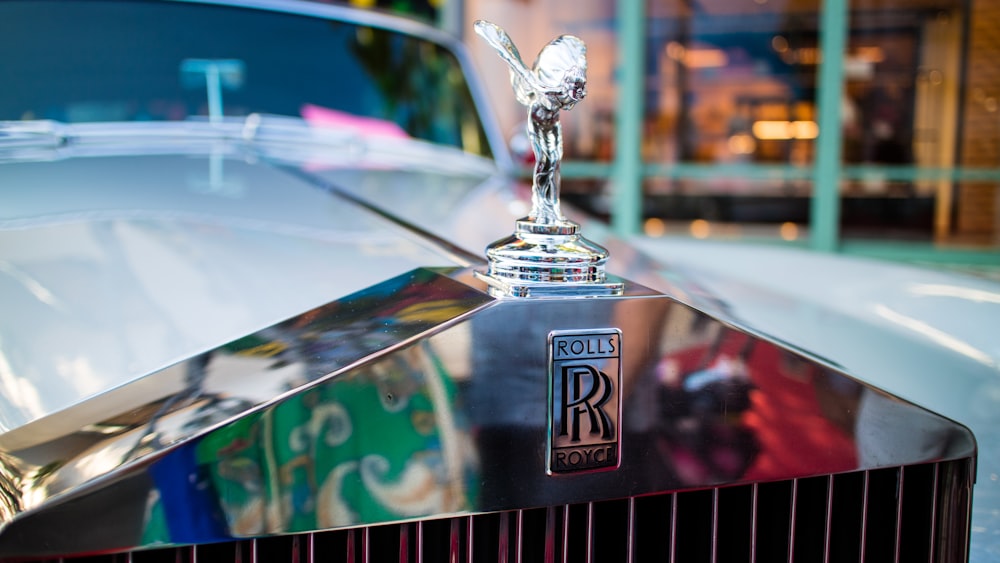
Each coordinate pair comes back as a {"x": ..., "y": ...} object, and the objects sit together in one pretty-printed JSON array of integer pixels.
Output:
[{"x": 546, "y": 255}]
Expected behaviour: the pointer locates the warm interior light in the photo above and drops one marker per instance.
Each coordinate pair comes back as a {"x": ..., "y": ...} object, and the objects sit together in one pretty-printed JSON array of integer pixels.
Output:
[
  {"x": 705, "y": 58},
  {"x": 654, "y": 227},
  {"x": 697, "y": 58},
  {"x": 700, "y": 228},
  {"x": 872, "y": 54},
  {"x": 742, "y": 143},
  {"x": 789, "y": 231},
  {"x": 785, "y": 130}
]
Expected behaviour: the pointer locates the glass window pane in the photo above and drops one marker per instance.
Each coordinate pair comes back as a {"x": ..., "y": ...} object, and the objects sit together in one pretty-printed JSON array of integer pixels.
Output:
[
  {"x": 731, "y": 82},
  {"x": 920, "y": 114}
]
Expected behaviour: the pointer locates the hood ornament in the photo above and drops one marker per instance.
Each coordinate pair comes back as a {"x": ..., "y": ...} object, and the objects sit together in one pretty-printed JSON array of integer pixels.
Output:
[{"x": 546, "y": 255}]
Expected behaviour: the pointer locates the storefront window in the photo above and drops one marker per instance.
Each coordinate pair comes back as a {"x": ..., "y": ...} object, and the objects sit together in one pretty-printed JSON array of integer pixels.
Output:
[
  {"x": 731, "y": 84},
  {"x": 731, "y": 114}
]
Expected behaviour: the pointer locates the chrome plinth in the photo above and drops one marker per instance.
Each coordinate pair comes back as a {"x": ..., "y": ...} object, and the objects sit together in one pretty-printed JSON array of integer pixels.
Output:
[{"x": 548, "y": 260}]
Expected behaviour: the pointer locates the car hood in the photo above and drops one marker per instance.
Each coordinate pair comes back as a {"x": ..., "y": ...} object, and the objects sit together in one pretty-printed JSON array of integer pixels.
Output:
[
  {"x": 215, "y": 284},
  {"x": 117, "y": 264}
]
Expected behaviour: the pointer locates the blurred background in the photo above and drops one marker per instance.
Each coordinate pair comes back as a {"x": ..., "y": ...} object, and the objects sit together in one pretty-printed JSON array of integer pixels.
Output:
[{"x": 703, "y": 117}]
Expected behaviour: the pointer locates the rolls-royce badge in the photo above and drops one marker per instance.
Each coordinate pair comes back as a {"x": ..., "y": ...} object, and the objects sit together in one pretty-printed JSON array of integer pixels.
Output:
[
  {"x": 546, "y": 255},
  {"x": 585, "y": 372}
]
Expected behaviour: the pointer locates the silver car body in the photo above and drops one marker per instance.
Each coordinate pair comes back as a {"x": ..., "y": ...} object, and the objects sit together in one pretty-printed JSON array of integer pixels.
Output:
[{"x": 121, "y": 306}]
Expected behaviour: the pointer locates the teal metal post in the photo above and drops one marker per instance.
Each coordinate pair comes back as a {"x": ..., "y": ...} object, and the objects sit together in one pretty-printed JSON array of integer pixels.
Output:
[
  {"x": 824, "y": 222},
  {"x": 626, "y": 209}
]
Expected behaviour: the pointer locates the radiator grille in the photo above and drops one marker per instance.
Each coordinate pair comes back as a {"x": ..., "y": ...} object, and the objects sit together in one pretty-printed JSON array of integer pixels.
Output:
[{"x": 911, "y": 513}]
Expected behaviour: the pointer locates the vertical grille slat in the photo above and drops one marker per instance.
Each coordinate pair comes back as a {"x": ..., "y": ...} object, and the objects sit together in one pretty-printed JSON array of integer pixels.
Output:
[
  {"x": 404, "y": 544},
  {"x": 454, "y": 541},
  {"x": 518, "y": 537},
  {"x": 900, "y": 489},
  {"x": 910, "y": 513},
  {"x": 791, "y": 521},
  {"x": 828, "y": 528},
  {"x": 502, "y": 556},
  {"x": 550, "y": 535},
  {"x": 470, "y": 548},
  {"x": 934, "y": 505},
  {"x": 420, "y": 542},
  {"x": 714, "y": 552},
  {"x": 589, "y": 544},
  {"x": 565, "y": 534},
  {"x": 755, "y": 497},
  {"x": 863, "y": 547},
  {"x": 673, "y": 528}
]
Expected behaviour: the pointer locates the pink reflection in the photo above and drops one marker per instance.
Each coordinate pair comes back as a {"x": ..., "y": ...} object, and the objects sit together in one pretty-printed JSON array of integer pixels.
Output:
[{"x": 366, "y": 126}]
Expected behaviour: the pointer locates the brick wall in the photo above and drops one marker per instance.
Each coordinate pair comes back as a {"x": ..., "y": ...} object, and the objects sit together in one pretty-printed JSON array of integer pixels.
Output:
[{"x": 977, "y": 203}]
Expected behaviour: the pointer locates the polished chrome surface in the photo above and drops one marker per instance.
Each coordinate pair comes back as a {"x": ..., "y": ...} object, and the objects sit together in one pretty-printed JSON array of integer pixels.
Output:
[
  {"x": 424, "y": 397},
  {"x": 105, "y": 446},
  {"x": 546, "y": 250}
]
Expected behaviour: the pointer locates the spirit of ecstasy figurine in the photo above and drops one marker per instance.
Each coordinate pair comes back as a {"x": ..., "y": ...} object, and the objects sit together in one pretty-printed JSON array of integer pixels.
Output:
[{"x": 545, "y": 255}]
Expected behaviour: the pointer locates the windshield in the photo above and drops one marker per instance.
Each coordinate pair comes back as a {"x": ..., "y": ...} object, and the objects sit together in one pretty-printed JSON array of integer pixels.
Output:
[{"x": 74, "y": 61}]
